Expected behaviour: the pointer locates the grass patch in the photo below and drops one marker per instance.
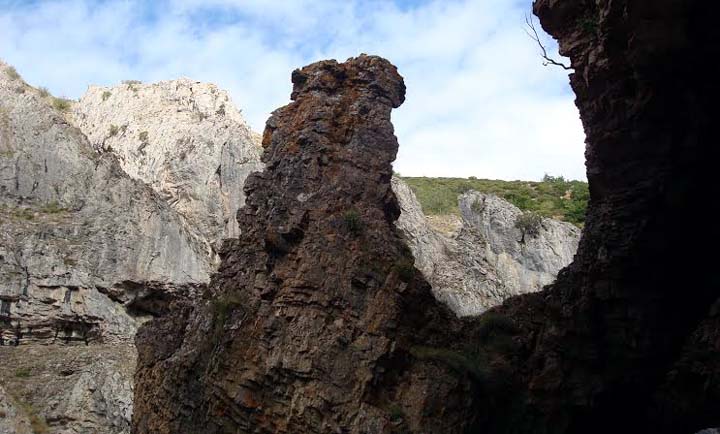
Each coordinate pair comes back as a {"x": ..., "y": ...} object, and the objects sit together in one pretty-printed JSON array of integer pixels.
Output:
[
  {"x": 61, "y": 104},
  {"x": 43, "y": 91},
  {"x": 52, "y": 208},
  {"x": 222, "y": 308},
  {"x": 114, "y": 130},
  {"x": 23, "y": 373},
  {"x": 143, "y": 136},
  {"x": 37, "y": 422},
  {"x": 106, "y": 95},
  {"x": 553, "y": 197}
]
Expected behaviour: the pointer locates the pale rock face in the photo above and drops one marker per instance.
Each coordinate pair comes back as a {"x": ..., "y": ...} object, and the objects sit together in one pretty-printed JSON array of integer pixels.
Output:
[
  {"x": 70, "y": 389},
  {"x": 487, "y": 260},
  {"x": 85, "y": 251},
  {"x": 75, "y": 228},
  {"x": 12, "y": 419},
  {"x": 183, "y": 138}
]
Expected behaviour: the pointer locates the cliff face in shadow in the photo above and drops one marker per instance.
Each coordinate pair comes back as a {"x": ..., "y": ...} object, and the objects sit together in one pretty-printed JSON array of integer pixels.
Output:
[{"x": 629, "y": 332}]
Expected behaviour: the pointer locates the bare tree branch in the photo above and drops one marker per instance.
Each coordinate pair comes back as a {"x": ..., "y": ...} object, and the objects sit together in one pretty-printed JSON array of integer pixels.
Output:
[{"x": 534, "y": 35}]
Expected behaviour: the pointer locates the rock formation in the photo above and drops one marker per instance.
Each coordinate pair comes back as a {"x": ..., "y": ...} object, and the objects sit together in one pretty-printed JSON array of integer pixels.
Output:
[
  {"x": 87, "y": 253},
  {"x": 183, "y": 138},
  {"x": 315, "y": 324},
  {"x": 628, "y": 337},
  {"x": 317, "y": 320},
  {"x": 78, "y": 234},
  {"x": 488, "y": 259}
]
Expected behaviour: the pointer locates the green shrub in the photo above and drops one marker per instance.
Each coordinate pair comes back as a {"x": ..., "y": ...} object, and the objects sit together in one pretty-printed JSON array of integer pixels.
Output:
[
  {"x": 396, "y": 413},
  {"x": 106, "y": 95},
  {"x": 529, "y": 224},
  {"x": 143, "y": 136},
  {"x": 405, "y": 269},
  {"x": 353, "y": 222},
  {"x": 23, "y": 373},
  {"x": 132, "y": 84},
  {"x": 44, "y": 92},
  {"x": 553, "y": 197},
  {"x": 12, "y": 73},
  {"x": 61, "y": 104},
  {"x": 113, "y": 131}
]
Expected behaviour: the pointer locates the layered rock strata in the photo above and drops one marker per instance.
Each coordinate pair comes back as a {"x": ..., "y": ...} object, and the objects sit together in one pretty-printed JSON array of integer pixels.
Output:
[
  {"x": 317, "y": 320},
  {"x": 79, "y": 239},
  {"x": 88, "y": 252}
]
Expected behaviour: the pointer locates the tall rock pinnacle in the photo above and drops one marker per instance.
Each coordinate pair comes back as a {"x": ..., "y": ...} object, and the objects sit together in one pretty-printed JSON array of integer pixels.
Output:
[{"x": 317, "y": 320}]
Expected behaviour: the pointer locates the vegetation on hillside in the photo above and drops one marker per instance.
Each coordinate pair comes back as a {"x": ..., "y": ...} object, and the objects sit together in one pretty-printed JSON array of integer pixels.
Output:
[{"x": 554, "y": 196}]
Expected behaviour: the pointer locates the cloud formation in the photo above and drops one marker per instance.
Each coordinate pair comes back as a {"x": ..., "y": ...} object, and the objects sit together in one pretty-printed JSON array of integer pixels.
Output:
[{"x": 480, "y": 102}]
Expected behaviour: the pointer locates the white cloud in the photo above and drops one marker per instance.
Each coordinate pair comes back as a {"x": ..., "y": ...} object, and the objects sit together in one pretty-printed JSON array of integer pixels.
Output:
[{"x": 479, "y": 100}]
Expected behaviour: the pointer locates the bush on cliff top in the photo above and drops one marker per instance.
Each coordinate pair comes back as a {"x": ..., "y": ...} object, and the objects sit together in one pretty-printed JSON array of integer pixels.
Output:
[{"x": 553, "y": 197}]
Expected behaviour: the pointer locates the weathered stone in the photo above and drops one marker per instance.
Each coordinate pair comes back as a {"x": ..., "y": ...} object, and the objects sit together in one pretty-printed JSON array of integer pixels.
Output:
[
  {"x": 487, "y": 259},
  {"x": 627, "y": 338},
  {"x": 77, "y": 234},
  {"x": 71, "y": 389},
  {"x": 317, "y": 320},
  {"x": 183, "y": 138},
  {"x": 12, "y": 419}
]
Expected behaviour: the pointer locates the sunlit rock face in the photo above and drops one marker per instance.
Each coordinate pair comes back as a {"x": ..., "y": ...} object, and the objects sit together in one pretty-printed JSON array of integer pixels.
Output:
[
  {"x": 79, "y": 236},
  {"x": 488, "y": 258},
  {"x": 185, "y": 139},
  {"x": 89, "y": 252}
]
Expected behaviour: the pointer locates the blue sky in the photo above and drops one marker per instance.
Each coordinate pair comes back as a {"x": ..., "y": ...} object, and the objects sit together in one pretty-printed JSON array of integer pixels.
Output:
[{"x": 480, "y": 102}]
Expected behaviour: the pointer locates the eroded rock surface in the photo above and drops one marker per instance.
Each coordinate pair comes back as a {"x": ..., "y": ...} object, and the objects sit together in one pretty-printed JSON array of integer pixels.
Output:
[
  {"x": 489, "y": 258},
  {"x": 79, "y": 238},
  {"x": 317, "y": 320},
  {"x": 87, "y": 252},
  {"x": 183, "y": 138}
]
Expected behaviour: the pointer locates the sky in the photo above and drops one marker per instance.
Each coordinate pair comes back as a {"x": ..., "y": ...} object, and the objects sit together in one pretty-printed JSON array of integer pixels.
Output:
[{"x": 479, "y": 102}]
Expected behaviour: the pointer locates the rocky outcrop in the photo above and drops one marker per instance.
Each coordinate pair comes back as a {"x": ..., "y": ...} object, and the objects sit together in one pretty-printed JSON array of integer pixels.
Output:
[
  {"x": 489, "y": 258},
  {"x": 70, "y": 389},
  {"x": 183, "y": 138},
  {"x": 77, "y": 233},
  {"x": 317, "y": 320},
  {"x": 87, "y": 252},
  {"x": 12, "y": 419},
  {"x": 627, "y": 338}
]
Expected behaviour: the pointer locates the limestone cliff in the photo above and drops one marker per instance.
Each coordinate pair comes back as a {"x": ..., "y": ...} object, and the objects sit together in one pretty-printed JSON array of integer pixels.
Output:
[
  {"x": 183, "y": 138},
  {"x": 488, "y": 258},
  {"x": 87, "y": 252},
  {"x": 77, "y": 233}
]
